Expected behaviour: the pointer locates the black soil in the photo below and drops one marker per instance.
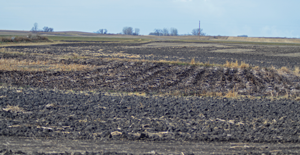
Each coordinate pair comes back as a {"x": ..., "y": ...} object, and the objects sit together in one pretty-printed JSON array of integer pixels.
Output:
[
  {"x": 75, "y": 105},
  {"x": 260, "y": 55},
  {"x": 99, "y": 116},
  {"x": 161, "y": 78}
]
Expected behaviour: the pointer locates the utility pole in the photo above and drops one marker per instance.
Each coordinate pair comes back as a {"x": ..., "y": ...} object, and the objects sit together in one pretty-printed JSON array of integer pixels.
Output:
[{"x": 199, "y": 30}]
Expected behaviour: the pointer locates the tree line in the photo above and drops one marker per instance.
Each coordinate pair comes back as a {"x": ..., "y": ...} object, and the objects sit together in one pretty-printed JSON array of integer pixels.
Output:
[
  {"x": 158, "y": 32},
  {"x": 130, "y": 31},
  {"x": 45, "y": 28},
  {"x": 165, "y": 32}
]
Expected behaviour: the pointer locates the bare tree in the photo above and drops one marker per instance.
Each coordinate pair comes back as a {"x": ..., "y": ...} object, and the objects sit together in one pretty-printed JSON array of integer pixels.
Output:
[
  {"x": 35, "y": 27},
  {"x": 161, "y": 32},
  {"x": 158, "y": 32},
  {"x": 101, "y": 31},
  {"x": 127, "y": 30},
  {"x": 47, "y": 29},
  {"x": 165, "y": 32},
  {"x": 195, "y": 32},
  {"x": 173, "y": 32},
  {"x": 136, "y": 31}
]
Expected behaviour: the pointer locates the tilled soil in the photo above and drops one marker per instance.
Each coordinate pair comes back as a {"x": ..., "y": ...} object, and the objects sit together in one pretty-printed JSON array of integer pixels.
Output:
[
  {"x": 75, "y": 105},
  {"x": 51, "y": 114},
  {"x": 162, "y": 78},
  {"x": 89, "y": 115},
  {"x": 218, "y": 53}
]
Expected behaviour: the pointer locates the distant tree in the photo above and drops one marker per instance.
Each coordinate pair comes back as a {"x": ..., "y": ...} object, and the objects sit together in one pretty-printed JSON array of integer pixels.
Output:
[
  {"x": 127, "y": 30},
  {"x": 152, "y": 33},
  {"x": 165, "y": 32},
  {"x": 158, "y": 32},
  {"x": 173, "y": 32},
  {"x": 47, "y": 29},
  {"x": 35, "y": 27},
  {"x": 195, "y": 32},
  {"x": 101, "y": 31},
  {"x": 136, "y": 31}
]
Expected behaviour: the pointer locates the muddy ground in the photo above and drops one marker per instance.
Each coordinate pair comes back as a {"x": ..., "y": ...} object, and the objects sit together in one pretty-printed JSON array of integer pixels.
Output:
[{"x": 128, "y": 96}]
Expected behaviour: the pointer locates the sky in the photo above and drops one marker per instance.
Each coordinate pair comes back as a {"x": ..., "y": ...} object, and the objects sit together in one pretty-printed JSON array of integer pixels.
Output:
[{"x": 255, "y": 18}]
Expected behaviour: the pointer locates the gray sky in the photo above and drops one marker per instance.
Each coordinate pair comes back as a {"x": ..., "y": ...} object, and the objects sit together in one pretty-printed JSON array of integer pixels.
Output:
[{"x": 255, "y": 18}]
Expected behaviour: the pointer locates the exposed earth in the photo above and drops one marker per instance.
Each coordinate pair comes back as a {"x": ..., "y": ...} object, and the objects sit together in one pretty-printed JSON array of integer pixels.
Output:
[{"x": 155, "y": 95}]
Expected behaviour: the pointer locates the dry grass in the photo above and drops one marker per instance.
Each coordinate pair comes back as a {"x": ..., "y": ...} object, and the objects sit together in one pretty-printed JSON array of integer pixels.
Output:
[
  {"x": 256, "y": 68},
  {"x": 297, "y": 71},
  {"x": 231, "y": 94},
  {"x": 83, "y": 121},
  {"x": 285, "y": 69},
  {"x": 244, "y": 65},
  {"x": 72, "y": 67},
  {"x": 117, "y": 55},
  {"x": 11, "y": 64},
  {"x": 23, "y": 65},
  {"x": 193, "y": 61},
  {"x": 231, "y": 64},
  {"x": 3, "y": 50},
  {"x": 214, "y": 94},
  {"x": 236, "y": 64},
  {"x": 14, "y": 109}
]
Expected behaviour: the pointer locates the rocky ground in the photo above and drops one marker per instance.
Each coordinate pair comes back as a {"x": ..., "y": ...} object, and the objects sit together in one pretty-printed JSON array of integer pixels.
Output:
[{"x": 131, "y": 99}]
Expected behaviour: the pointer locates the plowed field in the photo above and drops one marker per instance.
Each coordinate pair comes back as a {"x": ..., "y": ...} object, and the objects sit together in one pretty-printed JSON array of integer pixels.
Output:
[{"x": 151, "y": 92}]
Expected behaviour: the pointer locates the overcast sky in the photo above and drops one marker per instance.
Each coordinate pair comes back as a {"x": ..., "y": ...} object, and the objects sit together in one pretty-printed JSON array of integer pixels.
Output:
[{"x": 255, "y": 18}]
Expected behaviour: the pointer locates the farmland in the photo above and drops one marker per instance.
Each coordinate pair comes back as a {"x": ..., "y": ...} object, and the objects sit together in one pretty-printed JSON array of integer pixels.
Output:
[{"x": 149, "y": 89}]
